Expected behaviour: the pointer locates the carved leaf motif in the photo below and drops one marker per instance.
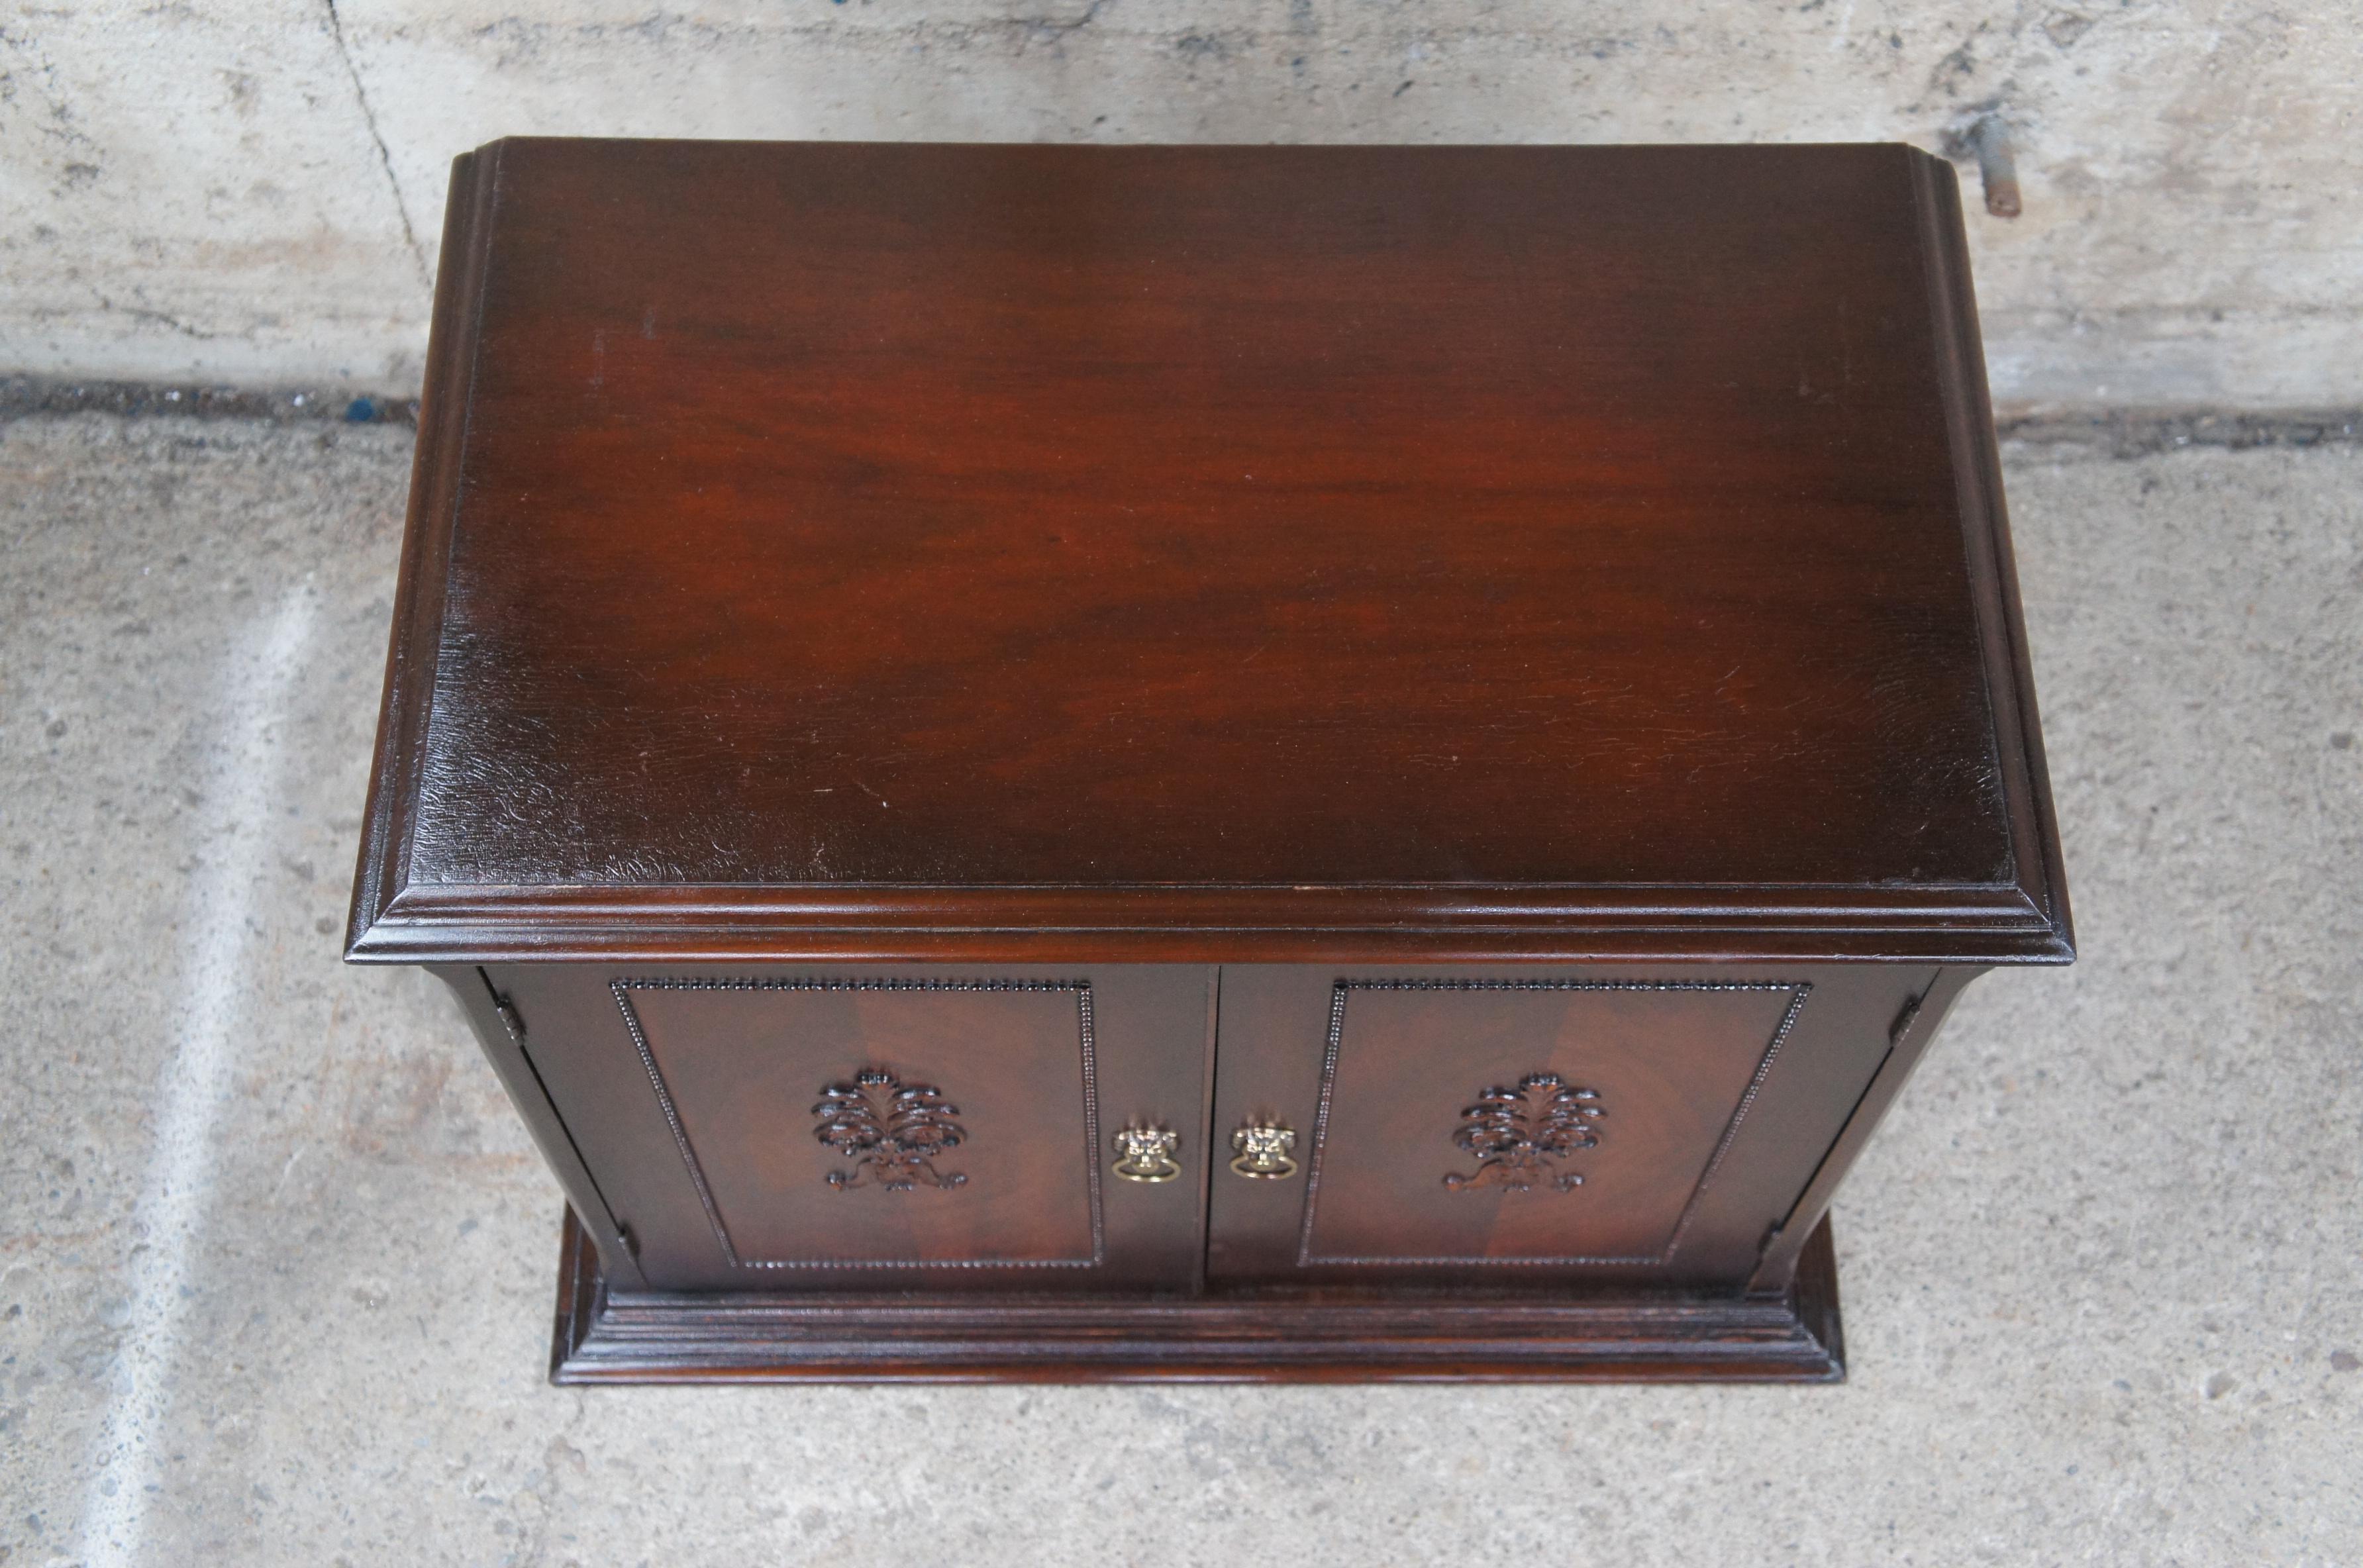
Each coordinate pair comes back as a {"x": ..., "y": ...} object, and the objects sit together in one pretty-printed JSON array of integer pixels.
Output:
[
  {"x": 1519, "y": 1135},
  {"x": 890, "y": 1132}
]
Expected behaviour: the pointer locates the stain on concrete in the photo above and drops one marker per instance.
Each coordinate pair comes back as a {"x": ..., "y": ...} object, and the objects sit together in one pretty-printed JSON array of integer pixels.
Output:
[
  {"x": 2139, "y": 433},
  {"x": 2179, "y": 163},
  {"x": 2064, "y": 28},
  {"x": 23, "y": 397}
]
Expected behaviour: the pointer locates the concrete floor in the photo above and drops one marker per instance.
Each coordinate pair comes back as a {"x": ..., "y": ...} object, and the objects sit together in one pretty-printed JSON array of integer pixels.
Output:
[
  {"x": 252, "y": 190},
  {"x": 276, "y": 1259}
]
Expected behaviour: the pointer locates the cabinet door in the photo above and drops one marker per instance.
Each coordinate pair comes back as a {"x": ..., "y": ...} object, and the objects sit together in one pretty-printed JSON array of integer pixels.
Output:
[
  {"x": 1528, "y": 1128},
  {"x": 867, "y": 1130}
]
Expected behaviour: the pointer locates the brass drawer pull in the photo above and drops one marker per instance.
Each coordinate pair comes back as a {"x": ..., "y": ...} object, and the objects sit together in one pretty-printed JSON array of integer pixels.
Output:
[
  {"x": 1146, "y": 1154},
  {"x": 1263, "y": 1152}
]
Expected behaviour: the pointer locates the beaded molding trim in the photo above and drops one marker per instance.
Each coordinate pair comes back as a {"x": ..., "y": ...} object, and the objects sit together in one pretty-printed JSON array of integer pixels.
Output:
[
  {"x": 622, "y": 990},
  {"x": 1305, "y": 1256}
]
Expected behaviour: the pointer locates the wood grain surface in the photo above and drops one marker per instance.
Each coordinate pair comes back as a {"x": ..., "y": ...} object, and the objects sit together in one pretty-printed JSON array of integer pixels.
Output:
[
  {"x": 1502, "y": 662},
  {"x": 856, "y": 550},
  {"x": 690, "y": 1095}
]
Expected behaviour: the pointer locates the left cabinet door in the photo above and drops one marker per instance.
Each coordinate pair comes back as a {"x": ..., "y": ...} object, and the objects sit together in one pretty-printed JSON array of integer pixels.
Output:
[{"x": 867, "y": 1128}]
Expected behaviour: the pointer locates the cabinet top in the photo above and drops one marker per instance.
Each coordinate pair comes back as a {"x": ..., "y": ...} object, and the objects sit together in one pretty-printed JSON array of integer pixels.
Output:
[{"x": 986, "y": 552}]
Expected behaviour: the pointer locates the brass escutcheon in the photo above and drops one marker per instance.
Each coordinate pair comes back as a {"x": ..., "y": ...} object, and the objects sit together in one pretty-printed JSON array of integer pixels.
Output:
[
  {"x": 1146, "y": 1154},
  {"x": 1263, "y": 1152}
]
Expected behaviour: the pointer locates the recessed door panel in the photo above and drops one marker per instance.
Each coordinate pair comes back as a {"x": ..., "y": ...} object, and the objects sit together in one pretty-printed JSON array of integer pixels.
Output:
[
  {"x": 1494, "y": 1130},
  {"x": 883, "y": 1123},
  {"x": 1524, "y": 1123},
  {"x": 888, "y": 1130}
]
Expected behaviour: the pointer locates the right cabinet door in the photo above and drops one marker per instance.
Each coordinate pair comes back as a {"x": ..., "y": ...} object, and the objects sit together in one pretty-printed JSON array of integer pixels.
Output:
[{"x": 1497, "y": 1129}]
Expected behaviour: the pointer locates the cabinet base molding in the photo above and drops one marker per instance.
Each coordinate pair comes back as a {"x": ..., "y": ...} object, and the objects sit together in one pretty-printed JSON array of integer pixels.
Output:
[{"x": 1305, "y": 1337}]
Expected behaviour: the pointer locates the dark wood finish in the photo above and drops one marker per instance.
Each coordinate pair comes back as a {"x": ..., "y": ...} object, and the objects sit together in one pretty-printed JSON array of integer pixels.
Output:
[
  {"x": 785, "y": 1096},
  {"x": 501, "y": 1032},
  {"x": 1720, "y": 1089},
  {"x": 1387, "y": 1190},
  {"x": 603, "y": 1336},
  {"x": 1499, "y": 664},
  {"x": 1028, "y": 554},
  {"x": 1902, "y": 1043},
  {"x": 692, "y": 1093}
]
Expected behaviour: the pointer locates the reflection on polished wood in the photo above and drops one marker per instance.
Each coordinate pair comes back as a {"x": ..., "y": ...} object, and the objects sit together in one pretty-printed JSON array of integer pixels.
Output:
[{"x": 930, "y": 683}]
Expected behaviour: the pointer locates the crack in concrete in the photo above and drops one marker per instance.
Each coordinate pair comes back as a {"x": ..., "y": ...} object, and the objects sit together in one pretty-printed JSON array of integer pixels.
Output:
[
  {"x": 29, "y": 397},
  {"x": 385, "y": 158},
  {"x": 160, "y": 318},
  {"x": 58, "y": 121},
  {"x": 1047, "y": 28},
  {"x": 2121, "y": 432},
  {"x": 2140, "y": 432}
]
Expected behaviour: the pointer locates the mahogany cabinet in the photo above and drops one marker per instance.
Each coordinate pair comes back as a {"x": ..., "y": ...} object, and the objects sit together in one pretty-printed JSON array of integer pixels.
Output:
[{"x": 1205, "y": 762}]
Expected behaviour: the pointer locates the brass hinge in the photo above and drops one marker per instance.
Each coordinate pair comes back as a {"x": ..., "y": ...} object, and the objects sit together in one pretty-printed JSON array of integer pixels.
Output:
[
  {"x": 511, "y": 1020},
  {"x": 1904, "y": 1021}
]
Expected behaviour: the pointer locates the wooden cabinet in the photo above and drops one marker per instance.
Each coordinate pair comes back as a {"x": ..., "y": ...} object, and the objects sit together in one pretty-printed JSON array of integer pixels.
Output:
[{"x": 1069, "y": 762}]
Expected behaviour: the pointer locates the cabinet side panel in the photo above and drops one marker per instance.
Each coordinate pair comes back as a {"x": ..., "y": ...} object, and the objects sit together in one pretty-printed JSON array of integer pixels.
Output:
[
  {"x": 504, "y": 1046},
  {"x": 578, "y": 1044},
  {"x": 1833, "y": 1047},
  {"x": 1907, "y": 1040}
]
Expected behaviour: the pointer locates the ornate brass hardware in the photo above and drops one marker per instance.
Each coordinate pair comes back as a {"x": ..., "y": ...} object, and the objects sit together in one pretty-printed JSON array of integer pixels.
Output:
[
  {"x": 1146, "y": 1154},
  {"x": 893, "y": 1133},
  {"x": 1519, "y": 1135},
  {"x": 1263, "y": 1152}
]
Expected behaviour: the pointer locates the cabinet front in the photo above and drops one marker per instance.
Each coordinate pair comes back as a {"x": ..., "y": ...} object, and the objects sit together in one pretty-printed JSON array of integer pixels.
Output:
[
  {"x": 1178, "y": 1127},
  {"x": 1494, "y": 1130},
  {"x": 883, "y": 1129}
]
